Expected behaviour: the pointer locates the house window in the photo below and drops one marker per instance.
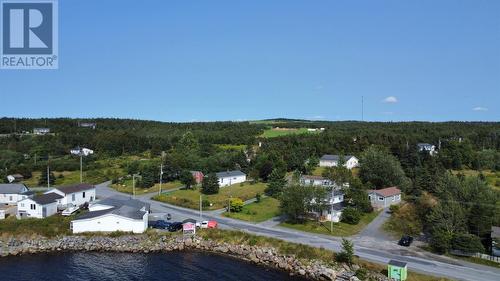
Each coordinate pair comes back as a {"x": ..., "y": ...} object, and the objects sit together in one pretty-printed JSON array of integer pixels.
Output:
[
  {"x": 22, "y": 204},
  {"x": 10, "y": 198},
  {"x": 369, "y": 197},
  {"x": 381, "y": 199},
  {"x": 398, "y": 197},
  {"x": 32, "y": 206},
  {"x": 83, "y": 194},
  {"x": 73, "y": 197}
]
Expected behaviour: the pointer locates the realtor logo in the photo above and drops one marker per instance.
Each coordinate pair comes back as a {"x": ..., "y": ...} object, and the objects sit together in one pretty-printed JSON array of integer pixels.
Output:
[{"x": 28, "y": 34}]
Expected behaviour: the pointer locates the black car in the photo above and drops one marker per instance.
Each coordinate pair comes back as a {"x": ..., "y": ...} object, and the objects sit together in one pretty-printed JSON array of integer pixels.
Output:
[
  {"x": 406, "y": 241},
  {"x": 161, "y": 224},
  {"x": 175, "y": 226}
]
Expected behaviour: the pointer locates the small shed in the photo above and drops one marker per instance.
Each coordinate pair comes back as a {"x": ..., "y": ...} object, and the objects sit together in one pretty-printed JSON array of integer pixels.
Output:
[{"x": 397, "y": 270}]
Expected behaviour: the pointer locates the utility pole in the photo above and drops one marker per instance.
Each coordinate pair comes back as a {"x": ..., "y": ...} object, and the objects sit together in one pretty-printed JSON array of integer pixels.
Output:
[
  {"x": 201, "y": 209},
  {"x": 133, "y": 186},
  {"x": 331, "y": 212},
  {"x": 81, "y": 167},
  {"x": 161, "y": 176},
  {"x": 48, "y": 177}
]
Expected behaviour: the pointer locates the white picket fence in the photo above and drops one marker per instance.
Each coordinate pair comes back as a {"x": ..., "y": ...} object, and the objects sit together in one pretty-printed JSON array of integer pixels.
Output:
[{"x": 487, "y": 257}]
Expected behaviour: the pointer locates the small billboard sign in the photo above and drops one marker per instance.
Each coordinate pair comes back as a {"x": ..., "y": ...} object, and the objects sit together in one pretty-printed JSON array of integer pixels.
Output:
[{"x": 189, "y": 229}]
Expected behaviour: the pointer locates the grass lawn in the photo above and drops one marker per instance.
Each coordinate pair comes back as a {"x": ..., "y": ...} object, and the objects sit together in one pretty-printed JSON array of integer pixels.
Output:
[
  {"x": 339, "y": 229},
  {"x": 191, "y": 198},
  {"x": 493, "y": 178},
  {"x": 49, "y": 227},
  {"x": 126, "y": 187},
  {"x": 272, "y": 133},
  {"x": 71, "y": 177},
  {"x": 256, "y": 212}
]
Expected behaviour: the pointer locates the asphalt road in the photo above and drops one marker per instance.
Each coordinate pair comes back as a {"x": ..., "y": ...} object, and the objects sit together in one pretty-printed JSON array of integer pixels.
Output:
[{"x": 368, "y": 248}]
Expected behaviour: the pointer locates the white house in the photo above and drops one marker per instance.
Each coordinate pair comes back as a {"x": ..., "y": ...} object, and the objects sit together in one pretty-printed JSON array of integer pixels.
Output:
[
  {"x": 11, "y": 193},
  {"x": 334, "y": 206},
  {"x": 41, "y": 131},
  {"x": 315, "y": 180},
  {"x": 231, "y": 177},
  {"x": 328, "y": 160},
  {"x": 430, "y": 148},
  {"x": 118, "y": 213},
  {"x": 40, "y": 206},
  {"x": 74, "y": 195}
]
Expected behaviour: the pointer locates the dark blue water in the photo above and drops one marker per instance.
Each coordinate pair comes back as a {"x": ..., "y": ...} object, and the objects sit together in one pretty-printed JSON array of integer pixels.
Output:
[{"x": 128, "y": 266}]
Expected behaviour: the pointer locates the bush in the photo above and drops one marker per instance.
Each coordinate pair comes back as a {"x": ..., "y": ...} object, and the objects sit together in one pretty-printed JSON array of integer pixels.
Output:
[
  {"x": 467, "y": 243},
  {"x": 257, "y": 198},
  {"x": 362, "y": 273},
  {"x": 394, "y": 209},
  {"x": 205, "y": 203},
  {"x": 236, "y": 205},
  {"x": 347, "y": 253},
  {"x": 350, "y": 216}
]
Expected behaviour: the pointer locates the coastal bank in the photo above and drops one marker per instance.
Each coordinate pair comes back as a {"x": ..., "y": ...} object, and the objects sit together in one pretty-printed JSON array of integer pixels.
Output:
[{"x": 262, "y": 256}]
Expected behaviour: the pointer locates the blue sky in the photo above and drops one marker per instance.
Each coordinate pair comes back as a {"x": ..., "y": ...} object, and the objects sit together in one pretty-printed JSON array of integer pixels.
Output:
[{"x": 244, "y": 60}]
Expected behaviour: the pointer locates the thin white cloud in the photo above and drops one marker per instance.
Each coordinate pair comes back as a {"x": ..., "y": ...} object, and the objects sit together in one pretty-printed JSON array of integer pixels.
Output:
[
  {"x": 317, "y": 117},
  {"x": 480, "y": 108},
  {"x": 388, "y": 112},
  {"x": 390, "y": 99}
]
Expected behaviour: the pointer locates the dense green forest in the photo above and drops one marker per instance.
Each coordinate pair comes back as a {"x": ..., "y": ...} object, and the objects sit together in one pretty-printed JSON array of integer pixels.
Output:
[{"x": 444, "y": 201}]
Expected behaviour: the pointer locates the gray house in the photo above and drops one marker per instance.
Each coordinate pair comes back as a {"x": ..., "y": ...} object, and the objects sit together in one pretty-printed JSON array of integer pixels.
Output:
[
  {"x": 385, "y": 197},
  {"x": 329, "y": 160},
  {"x": 11, "y": 193}
]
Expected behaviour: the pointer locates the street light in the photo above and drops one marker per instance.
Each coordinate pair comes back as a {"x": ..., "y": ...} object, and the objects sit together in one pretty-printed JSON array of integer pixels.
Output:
[{"x": 81, "y": 152}]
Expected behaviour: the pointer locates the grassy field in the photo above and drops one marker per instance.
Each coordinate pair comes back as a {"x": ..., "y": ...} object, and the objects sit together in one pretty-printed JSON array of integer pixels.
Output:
[
  {"x": 493, "y": 178},
  {"x": 127, "y": 187},
  {"x": 273, "y": 132},
  {"x": 48, "y": 227},
  {"x": 257, "y": 212},
  {"x": 191, "y": 198},
  {"x": 70, "y": 177},
  {"x": 339, "y": 229}
]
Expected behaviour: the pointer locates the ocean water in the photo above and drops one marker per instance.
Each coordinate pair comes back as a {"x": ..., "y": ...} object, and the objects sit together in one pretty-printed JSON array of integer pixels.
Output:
[{"x": 84, "y": 266}]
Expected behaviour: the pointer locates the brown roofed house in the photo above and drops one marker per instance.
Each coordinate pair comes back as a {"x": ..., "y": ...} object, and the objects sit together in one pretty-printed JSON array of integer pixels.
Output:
[{"x": 384, "y": 197}]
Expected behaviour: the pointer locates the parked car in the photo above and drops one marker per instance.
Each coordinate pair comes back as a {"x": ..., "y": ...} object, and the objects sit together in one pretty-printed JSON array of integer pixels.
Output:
[
  {"x": 161, "y": 224},
  {"x": 70, "y": 210},
  {"x": 405, "y": 241},
  {"x": 208, "y": 224},
  {"x": 175, "y": 226}
]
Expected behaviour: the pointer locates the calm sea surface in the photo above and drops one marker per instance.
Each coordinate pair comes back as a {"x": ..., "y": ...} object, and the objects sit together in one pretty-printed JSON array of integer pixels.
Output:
[{"x": 127, "y": 266}]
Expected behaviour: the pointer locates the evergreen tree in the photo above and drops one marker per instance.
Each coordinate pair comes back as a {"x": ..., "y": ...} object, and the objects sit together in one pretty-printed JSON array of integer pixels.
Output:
[
  {"x": 276, "y": 184},
  {"x": 187, "y": 179},
  {"x": 210, "y": 184},
  {"x": 42, "y": 180}
]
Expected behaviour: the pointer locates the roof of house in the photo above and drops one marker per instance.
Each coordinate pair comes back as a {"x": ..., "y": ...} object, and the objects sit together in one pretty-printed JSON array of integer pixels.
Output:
[
  {"x": 330, "y": 157},
  {"x": 48, "y": 198},
  {"x": 312, "y": 177},
  {"x": 227, "y": 174},
  {"x": 388, "y": 191},
  {"x": 12, "y": 188},
  {"x": 397, "y": 263},
  {"x": 422, "y": 144},
  {"x": 123, "y": 211},
  {"x": 120, "y": 200},
  {"x": 495, "y": 232},
  {"x": 68, "y": 189},
  {"x": 122, "y": 206}
]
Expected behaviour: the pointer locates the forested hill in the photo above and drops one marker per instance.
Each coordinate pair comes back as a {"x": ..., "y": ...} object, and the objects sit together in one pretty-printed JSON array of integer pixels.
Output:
[{"x": 117, "y": 136}]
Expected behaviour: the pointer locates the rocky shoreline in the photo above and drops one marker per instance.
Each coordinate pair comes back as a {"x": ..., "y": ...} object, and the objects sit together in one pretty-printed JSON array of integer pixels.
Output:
[{"x": 265, "y": 256}]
